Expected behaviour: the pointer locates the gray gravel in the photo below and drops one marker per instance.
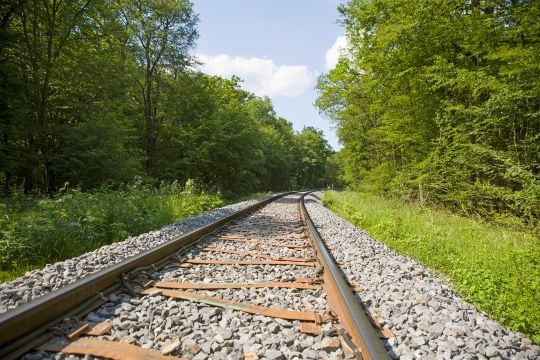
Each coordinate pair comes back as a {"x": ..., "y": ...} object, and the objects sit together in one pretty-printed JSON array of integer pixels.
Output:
[
  {"x": 197, "y": 331},
  {"x": 430, "y": 320},
  {"x": 54, "y": 276}
]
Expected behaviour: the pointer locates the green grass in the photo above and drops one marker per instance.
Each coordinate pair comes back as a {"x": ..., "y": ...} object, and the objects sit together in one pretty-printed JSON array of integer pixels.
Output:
[
  {"x": 35, "y": 231},
  {"x": 496, "y": 269}
]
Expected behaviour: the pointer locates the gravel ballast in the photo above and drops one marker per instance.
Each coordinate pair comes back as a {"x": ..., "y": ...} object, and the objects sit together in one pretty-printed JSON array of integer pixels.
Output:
[
  {"x": 37, "y": 283},
  {"x": 429, "y": 320},
  {"x": 198, "y": 331}
]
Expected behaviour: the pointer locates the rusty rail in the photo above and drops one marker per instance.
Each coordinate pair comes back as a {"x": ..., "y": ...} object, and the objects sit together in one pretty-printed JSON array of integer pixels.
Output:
[
  {"x": 342, "y": 300},
  {"x": 26, "y": 323}
]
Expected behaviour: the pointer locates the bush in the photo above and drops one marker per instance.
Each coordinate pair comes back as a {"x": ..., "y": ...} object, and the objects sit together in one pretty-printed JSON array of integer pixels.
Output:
[{"x": 38, "y": 230}]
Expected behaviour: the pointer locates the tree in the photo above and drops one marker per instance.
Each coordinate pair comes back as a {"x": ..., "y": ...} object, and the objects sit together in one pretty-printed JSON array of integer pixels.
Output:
[
  {"x": 436, "y": 102},
  {"x": 313, "y": 150},
  {"x": 161, "y": 34},
  {"x": 45, "y": 28},
  {"x": 101, "y": 91},
  {"x": 68, "y": 91},
  {"x": 277, "y": 142}
]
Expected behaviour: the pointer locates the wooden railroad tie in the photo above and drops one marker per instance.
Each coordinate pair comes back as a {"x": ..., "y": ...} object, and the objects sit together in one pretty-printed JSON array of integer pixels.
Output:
[
  {"x": 213, "y": 286},
  {"x": 102, "y": 348},
  {"x": 249, "y": 262},
  {"x": 258, "y": 242},
  {"x": 254, "y": 254},
  {"x": 240, "y": 306},
  {"x": 280, "y": 238}
]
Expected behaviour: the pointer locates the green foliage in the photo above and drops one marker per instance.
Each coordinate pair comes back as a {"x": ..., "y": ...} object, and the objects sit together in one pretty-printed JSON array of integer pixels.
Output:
[
  {"x": 497, "y": 270},
  {"x": 314, "y": 152},
  {"x": 95, "y": 92},
  {"x": 39, "y": 230},
  {"x": 438, "y": 102},
  {"x": 232, "y": 140}
]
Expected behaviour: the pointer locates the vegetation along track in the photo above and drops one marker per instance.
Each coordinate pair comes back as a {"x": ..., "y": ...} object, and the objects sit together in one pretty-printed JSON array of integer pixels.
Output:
[{"x": 264, "y": 285}]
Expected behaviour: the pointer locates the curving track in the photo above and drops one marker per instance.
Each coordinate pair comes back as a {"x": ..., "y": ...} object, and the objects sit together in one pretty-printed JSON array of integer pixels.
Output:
[{"x": 262, "y": 286}]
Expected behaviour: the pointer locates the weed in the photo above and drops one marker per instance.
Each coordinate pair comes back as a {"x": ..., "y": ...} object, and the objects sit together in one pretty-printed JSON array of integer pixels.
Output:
[
  {"x": 37, "y": 230},
  {"x": 496, "y": 269}
]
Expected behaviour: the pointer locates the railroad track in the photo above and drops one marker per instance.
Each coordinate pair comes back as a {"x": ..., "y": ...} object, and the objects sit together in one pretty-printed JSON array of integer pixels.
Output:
[{"x": 257, "y": 284}]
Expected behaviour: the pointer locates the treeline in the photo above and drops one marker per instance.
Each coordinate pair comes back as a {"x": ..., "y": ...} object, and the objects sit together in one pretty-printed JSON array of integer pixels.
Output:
[
  {"x": 101, "y": 91},
  {"x": 439, "y": 102}
]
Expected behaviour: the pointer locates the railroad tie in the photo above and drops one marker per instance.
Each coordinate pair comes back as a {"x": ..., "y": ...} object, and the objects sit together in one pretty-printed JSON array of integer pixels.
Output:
[
  {"x": 249, "y": 262},
  {"x": 290, "y": 238},
  {"x": 214, "y": 286},
  {"x": 257, "y": 242},
  {"x": 254, "y": 254},
  {"x": 240, "y": 306},
  {"x": 103, "y": 348},
  {"x": 238, "y": 237}
]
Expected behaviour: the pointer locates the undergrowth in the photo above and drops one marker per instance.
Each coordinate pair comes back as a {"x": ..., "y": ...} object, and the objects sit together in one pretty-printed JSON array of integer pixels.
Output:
[
  {"x": 36, "y": 230},
  {"x": 496, "y": 269}
]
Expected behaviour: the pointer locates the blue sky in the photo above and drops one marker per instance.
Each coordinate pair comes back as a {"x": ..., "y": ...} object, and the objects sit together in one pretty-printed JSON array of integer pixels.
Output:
[{"x": 278, "y": 47}]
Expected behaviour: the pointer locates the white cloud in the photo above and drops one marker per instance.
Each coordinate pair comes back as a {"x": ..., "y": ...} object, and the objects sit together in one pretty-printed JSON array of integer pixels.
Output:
[
  {"x": 261, "y": 76},
  {"x": 332, "y": 55}
]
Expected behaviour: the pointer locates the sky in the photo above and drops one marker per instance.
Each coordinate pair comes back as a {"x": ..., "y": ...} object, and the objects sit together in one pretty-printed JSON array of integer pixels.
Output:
[{"x": 278, "y": 47}]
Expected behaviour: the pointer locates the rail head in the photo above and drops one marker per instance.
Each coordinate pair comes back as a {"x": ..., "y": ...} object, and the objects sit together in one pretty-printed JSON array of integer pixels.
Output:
[{"x": 350, "y": 313}]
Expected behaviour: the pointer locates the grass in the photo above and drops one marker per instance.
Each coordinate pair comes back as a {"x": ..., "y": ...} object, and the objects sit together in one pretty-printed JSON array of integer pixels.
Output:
[
  {"x": 494, "y": 268},
  {"x": 35, "y": 231}
]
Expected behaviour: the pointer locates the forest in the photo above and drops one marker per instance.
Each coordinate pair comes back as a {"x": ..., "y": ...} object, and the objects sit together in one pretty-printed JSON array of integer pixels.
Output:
[
  {"x": 97, "y": 92},
  {"x": 108, "y": 129},
  {"x": 437, "y": 102}
]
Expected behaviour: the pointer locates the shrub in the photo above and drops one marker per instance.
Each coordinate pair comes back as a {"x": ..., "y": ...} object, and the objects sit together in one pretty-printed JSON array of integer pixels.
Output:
[{"x": 38, "y": 230}]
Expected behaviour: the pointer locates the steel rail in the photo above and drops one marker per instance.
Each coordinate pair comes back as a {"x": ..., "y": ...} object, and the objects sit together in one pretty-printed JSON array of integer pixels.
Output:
[
  {"x": 341, "y": 298},
  {"x": 32, "y": 317}
]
